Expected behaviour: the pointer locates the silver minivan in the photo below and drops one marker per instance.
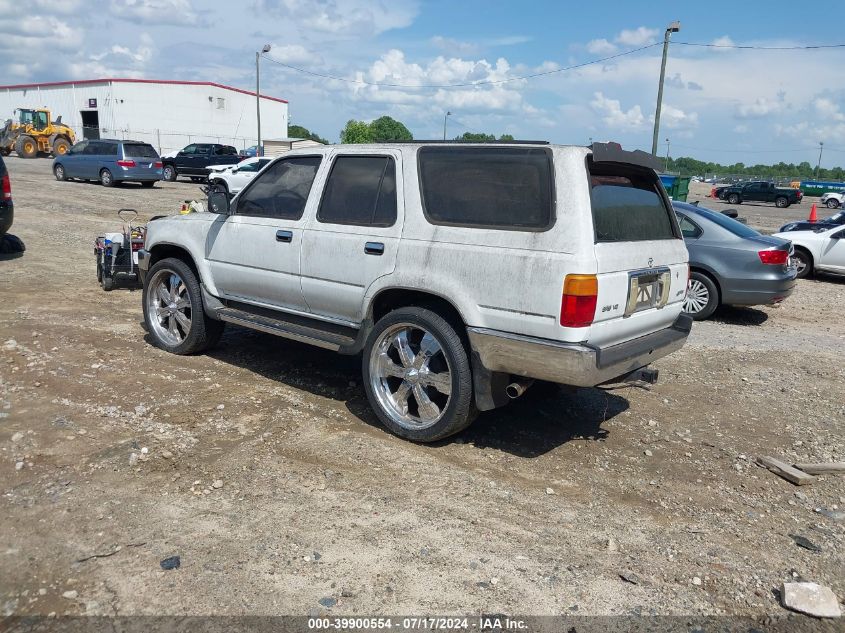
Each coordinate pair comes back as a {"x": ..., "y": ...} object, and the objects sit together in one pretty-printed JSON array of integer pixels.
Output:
[{"x": 110, "y": 161}]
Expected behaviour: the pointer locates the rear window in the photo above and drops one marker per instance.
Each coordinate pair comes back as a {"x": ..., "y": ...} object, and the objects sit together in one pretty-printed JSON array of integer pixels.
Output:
[
  {"x": 628, "y": 205},
  {"x": 507, "y": 188},
  {"x": 139, "y": 150}
]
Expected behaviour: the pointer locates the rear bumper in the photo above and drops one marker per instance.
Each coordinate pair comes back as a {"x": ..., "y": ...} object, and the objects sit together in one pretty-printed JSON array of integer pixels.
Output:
[
  {"x": 754, "y": 292},
  {"x": 7, "y": 215},
  {"x": 575, "y": 364},
  {"x": 143, "y": 264}
]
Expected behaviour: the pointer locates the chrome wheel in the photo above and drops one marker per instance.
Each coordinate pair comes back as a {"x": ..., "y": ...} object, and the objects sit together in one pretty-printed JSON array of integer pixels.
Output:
[
  {"x": 60, "y": 172},
  {"x": 410, "y": 376},
  {"x": 697, "y": 297},
  {"x": 832, "y": 203},
  {"x": 169, "y": 307},
  {"x": 800, "y": 265}
]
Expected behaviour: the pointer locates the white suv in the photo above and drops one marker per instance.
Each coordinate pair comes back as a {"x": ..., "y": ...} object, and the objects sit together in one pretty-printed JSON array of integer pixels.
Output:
[
  {"x": 460, "y": 271},
  {"x": 233, "y": 178}
]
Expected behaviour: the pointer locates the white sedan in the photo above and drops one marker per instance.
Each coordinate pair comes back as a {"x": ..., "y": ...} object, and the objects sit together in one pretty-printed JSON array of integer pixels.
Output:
[
  {"x": 235, "y": 177},
  {"x": 818, "y": 251}
]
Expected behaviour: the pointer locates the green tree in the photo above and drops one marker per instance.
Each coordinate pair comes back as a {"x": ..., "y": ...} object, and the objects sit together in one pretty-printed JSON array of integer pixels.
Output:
[
  {"x": 356, "y": 132},
  {"x": 297, "y": 131},
  {"x": 389, "y": 129},
  {"x": 506, "y": 137},
  {"x": 475, "y": 137}
]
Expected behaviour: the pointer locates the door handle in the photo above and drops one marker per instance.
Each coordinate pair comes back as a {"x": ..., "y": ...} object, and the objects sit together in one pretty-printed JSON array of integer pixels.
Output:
[
  {"x": 374, "y": 248},
  {"x": 284, "y": 236}
]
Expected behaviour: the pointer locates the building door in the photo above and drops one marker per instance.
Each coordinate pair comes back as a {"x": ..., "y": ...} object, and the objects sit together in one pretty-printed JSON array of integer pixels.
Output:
[{"x": 90, "y": 124}]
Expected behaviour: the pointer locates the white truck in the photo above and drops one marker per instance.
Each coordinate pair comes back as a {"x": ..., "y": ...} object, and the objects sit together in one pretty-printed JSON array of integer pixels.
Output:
[{"x": 460, "y": 272}]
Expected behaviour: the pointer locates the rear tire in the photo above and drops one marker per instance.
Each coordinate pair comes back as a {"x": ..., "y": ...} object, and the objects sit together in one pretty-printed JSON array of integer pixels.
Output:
[
  {"x": 26, "y": 147},
  {"x": 417, "y": 375},
  {"x": 107, "y": 282},
  {"x": 169, "y": 173},
  {"x": 803, "y": 263},
  {"x": 781, "y": 202},
  {"x": 172, "y": 282},
  {"x": 702, "y": 296},
  {"x": 106, "y": 178},
  {"x": 734, "y": 199}
]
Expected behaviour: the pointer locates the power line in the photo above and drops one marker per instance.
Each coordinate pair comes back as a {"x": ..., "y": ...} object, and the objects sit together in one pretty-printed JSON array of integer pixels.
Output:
[
  {"x": 487, "y": 82},
  {"x": 760, "y": 48}
]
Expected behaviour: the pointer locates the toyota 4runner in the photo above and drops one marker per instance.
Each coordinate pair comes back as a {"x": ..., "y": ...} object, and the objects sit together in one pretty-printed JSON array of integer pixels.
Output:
[{"x": 460, "y": 272}]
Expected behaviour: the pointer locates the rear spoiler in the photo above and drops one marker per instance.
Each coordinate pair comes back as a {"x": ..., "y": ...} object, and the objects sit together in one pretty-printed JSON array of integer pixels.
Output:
[{"x": 613, "y": 153}]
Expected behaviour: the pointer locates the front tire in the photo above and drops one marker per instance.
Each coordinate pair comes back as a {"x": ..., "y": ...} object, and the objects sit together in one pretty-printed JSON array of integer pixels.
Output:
[
  {"x": 60, "y": 147},
  {"x": 803, "y": 264},
  {"x": 417, "y": 375},
  {"x": 832, "y": 203},
  {"x": 26, "y": 147},
  {"x": 733, "y": 198},
  {"x": 59, "y": 172},
  {"x": 702, "y": 297},
  {"x": 173, "y": 309}
]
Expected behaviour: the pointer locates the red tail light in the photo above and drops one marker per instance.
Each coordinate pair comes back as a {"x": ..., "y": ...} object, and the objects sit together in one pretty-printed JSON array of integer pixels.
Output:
[
  {"x": 158, "y": 164},
  {"x": 578, "y": 304},
  {"x": 126, "y": 163},
  {"x": 776, "y": 258},
  {"x": 7, "y": 188}
]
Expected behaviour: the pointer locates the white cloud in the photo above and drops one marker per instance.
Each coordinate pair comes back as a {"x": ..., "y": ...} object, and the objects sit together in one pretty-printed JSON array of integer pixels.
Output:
[
  {"x": 600, "y": 47},
  {"x": 676, "y": 119},
  {"x": 723, "y": 41},
  {"x": 741, "y": 129},
  {"x": 637, "y": 37},
  {"x": 293, "y": 54},
  {"x": 759, "y": 108},
  {"x": 349, "y": 17},
  {"x": 453, "y": 46},
  {"x": 155, "y": 11},
  {"x": 614, "y": 116},
  {"x": 828, "y": 109}
]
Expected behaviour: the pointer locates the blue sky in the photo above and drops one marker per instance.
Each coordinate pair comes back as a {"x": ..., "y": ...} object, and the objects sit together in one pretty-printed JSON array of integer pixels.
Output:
[{"x": 720, "y": 104}]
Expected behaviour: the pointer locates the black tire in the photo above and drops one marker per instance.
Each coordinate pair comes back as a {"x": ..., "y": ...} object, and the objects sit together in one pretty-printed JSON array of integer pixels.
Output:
[
  {"x": 107, "y": 282},
  {"x": 734, "y": 199},
  {"x": 781, "y": 202},
  {"x": 204, "y": 331},
  {"x": 804, "y": 263},
  {"x": 832, "y": 203},
  {"x": 106, "y": 178},
  {"x": 59, "y": 172},
  {"x": 459, "y": 410},
  {"x": 149, "y": 184},
  {"x": 169, "y": 173},
  {"x": 701, "y": 284},
  {"x": 99, "y": 273},
  {"x": 26, "y": 147},
  {"x": 60, "y": 146}
]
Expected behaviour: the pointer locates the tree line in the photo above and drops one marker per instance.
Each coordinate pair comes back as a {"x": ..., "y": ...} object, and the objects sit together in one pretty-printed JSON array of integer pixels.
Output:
[{"x": 381, "y": 130}]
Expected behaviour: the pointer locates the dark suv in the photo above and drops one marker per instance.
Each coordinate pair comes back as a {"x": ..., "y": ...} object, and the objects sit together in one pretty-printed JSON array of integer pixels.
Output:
[
  {"x": 194, "y": 159},
  {"x": 7, "y": 209}
]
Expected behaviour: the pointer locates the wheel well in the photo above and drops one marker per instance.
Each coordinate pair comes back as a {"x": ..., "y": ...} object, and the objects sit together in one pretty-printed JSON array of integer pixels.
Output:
[
  {"x": 163, "y": 251},
  {"x": 806, "y": 252},
  {"x": 711, "y": 277},
  {"x": 388, "y": 300}
]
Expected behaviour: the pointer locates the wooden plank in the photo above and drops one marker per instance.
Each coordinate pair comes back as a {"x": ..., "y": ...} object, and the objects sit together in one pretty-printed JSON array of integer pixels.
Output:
[
  {"x": 833, "y": 468},
  {"x": 786, "y": 471}
]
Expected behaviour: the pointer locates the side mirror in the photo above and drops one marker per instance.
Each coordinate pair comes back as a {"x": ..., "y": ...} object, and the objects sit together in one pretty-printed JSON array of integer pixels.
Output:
[{"x": 218, "y": 202}]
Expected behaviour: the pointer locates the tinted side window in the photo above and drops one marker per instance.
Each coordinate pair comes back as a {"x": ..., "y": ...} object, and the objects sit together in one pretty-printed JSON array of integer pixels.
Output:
[
  {"x": 497, "y": 187},
  {"x": 80, "y": 147},
  {"x": 225, "y": 150},
  {"x": 361, "y": 190},
  {"x": 281, "y": 191},
  {"x": 688, "y": 228},
  {"x": 109, "y": 149},
  {"x": 190, "y": 149},
  {"x": 93, "y": 149},
  {"x": 202, "y": 149}
]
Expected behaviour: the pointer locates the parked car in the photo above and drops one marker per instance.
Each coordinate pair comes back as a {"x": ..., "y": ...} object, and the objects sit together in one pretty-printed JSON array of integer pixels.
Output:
[
  {"x": 833, "y": 200},
  {"x": 110, "y": 161},
  {"x": 730, "y": 263},
  {"x": 818, "y": 250},
  {"x": 233, "y": 178},
  {"x": 193, "y": 160},
  {"x": 761, "y": 192},
  {"x": 250, "y": 152},
  {"x": 460, "y": 272},
  {"x": 7, "y": 207},
  {"x": 837, "y": 219}
]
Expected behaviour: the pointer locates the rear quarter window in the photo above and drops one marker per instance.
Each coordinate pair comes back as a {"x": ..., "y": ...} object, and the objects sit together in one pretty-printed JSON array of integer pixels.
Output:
[
  {"x": 510, "y": 188},
  {"x": 628, "y": 205}
]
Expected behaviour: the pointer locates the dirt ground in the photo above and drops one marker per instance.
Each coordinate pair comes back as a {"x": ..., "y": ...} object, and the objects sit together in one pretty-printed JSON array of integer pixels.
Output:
[{"x": 261, "y": 466}]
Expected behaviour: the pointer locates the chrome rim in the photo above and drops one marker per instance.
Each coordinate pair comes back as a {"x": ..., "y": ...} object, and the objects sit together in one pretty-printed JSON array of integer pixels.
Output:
[
  {"x": 799, "y": 264},
  {"x": 410, "y": 376},
  {"x": 168, "y": 172},
  {"x": 169, "y": 307},
  {"x": 697, "y": 297},
  {"x": 832, "y": 204},
  {"x": 105, "y": 177},
  {"x": 60, "y": 172}
]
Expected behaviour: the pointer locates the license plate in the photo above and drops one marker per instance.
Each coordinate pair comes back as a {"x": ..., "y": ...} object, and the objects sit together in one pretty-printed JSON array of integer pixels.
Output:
[{"x": 647, "y": 289}]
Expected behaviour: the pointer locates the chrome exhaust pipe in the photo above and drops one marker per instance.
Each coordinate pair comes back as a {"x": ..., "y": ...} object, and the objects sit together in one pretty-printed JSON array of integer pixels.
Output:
[{"x": 518, "y": 387}]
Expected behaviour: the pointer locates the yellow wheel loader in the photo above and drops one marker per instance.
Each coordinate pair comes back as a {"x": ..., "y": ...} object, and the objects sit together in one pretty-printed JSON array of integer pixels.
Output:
[{"x": 34, "y": 132}]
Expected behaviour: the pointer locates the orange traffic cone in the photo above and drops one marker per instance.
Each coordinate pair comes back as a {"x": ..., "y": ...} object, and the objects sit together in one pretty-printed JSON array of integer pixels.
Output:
[{"x": 813, "y": 217}]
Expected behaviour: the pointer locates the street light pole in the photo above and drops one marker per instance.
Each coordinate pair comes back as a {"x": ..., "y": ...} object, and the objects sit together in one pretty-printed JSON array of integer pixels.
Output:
[
  {"x": 266, "y": 49},
  {"x": 819, "y": 164},
  {"x": 444, "y": 124},
  {"x": 666, "y": 163},
  {"x": 672, "y": 28}
]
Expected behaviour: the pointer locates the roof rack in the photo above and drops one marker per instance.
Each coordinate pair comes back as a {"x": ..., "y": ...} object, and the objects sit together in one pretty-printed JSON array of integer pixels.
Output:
[{"x": 459, "y": 142}]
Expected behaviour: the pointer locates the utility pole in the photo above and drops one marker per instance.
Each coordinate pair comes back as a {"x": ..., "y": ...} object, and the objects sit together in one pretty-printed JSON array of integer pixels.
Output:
[
  {"x": 444, "y": 124},
  {"x": 666, "y": 163},
  {"x": 819, "y": 164},
  {"x": 266, "y": 49},
  {"x": 672, "y": 28}
]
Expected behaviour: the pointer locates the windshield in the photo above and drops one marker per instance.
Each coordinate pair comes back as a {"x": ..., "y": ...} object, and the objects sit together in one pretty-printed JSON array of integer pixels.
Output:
[{"x": 737, "y": 228}]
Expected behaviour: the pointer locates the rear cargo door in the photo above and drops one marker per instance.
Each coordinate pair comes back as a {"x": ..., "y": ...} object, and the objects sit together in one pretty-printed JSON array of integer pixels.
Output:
[{"x": 640, "y": 254}]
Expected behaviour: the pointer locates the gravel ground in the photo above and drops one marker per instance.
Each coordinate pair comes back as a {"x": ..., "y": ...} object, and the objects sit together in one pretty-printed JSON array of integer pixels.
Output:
[{"x": 261, "y": 466}]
